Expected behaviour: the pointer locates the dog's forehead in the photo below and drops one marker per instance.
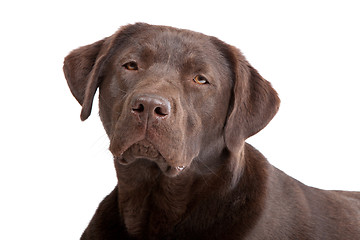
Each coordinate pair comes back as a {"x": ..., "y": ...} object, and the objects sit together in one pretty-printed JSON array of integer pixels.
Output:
[{"x": 173, "y": 46}]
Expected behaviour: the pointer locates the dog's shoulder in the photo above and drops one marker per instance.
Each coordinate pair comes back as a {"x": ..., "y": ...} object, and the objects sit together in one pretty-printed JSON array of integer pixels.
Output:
[{"x": 106, "y": 223}]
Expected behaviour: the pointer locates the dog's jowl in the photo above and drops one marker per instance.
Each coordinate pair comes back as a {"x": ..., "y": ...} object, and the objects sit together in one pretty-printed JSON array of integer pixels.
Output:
[{"x": 177, "y": 107}]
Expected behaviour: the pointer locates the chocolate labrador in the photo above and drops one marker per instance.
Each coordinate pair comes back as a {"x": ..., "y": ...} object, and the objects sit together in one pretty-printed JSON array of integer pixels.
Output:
[{"x": 178, "y": 106}]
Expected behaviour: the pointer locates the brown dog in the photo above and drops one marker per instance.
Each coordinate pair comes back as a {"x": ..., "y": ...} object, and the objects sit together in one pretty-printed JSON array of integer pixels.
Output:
[{"x": 177, "y": 107}]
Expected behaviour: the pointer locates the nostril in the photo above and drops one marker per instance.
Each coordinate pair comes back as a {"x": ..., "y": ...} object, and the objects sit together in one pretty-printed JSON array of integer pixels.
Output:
[
  {"x": 160, "y": 111},
  {"x": 140, "y": 108},
  {"x": 150, "y": 107}
]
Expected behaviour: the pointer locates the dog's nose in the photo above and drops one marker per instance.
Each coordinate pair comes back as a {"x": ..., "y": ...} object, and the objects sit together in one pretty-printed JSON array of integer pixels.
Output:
[{"x": 150, "y": 107}]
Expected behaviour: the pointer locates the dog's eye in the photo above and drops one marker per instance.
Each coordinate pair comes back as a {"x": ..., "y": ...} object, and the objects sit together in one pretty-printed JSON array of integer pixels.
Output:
[
  {"x": 132, "y": 66},
  {"x": 199, "y": 79}
]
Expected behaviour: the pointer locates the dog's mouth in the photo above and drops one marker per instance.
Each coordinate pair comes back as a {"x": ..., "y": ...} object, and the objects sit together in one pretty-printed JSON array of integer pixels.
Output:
[{"x": 144, "y": 150}]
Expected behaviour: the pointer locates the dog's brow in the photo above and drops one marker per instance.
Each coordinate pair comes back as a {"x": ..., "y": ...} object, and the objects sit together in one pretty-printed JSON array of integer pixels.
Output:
[
  {"x": 193, "y": 65},
  {"x": 146, "y": 54}
]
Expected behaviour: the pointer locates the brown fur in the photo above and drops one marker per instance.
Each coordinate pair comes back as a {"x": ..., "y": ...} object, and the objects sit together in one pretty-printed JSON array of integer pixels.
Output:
[{"x": 184, "y": 170}]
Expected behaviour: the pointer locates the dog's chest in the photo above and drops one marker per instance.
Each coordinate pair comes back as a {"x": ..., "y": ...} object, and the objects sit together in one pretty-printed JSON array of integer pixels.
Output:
[{"x": 150, "y": 210}]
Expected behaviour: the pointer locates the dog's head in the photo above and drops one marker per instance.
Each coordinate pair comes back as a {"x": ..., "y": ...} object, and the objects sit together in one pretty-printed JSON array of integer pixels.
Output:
[{"x": 170, "y": 97}]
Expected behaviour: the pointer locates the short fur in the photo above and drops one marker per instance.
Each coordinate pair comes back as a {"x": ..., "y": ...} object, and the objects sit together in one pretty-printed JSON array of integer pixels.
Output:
[{"x": 184, "y": 170}]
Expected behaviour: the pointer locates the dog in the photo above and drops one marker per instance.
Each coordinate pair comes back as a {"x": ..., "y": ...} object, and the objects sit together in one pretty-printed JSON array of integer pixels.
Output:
[{"x": 177, "y": 106}]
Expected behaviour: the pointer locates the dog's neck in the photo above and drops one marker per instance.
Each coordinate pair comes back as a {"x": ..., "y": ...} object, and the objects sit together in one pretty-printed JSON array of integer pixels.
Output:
[{"x": 150, "y": 202}]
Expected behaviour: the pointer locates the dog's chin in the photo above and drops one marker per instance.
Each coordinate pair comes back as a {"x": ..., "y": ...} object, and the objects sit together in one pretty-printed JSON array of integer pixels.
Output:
[{"x": 146, "y": 152}]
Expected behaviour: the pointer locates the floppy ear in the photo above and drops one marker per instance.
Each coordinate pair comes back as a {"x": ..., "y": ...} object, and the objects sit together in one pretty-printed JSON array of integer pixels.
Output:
[
  {"x": 254, "y": 102},
  {"x": 81, "y": 69},
  {"x": 83, "y": 66}
]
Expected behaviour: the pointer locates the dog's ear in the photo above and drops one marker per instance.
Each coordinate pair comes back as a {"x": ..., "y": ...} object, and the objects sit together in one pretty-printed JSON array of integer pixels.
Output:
[
  {"x": 82, "y": 68},
  {"x": 253, "y": 103}
]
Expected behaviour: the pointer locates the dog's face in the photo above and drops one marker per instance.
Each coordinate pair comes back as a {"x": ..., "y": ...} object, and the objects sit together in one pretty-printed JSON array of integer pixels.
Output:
[
  {"x": 170, "y": 98},
  {"x": 161, "y": 95}
]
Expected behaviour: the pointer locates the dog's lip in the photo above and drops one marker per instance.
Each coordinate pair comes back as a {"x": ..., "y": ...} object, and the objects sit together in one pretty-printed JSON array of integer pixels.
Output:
[
  {"x": 166, "y": 169},
  {"x": 144, "y": 150}
]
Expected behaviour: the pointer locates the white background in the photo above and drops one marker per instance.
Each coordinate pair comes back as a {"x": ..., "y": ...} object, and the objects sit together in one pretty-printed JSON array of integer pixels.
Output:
[{"x": 55, "y": 169}]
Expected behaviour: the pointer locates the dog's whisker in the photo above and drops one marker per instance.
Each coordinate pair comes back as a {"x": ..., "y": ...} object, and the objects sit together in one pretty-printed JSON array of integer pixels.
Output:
[
  {"x": 211, "y": 170},
  {"x": 102, "y": 140},
  {"x": 120, "y": 99}
]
